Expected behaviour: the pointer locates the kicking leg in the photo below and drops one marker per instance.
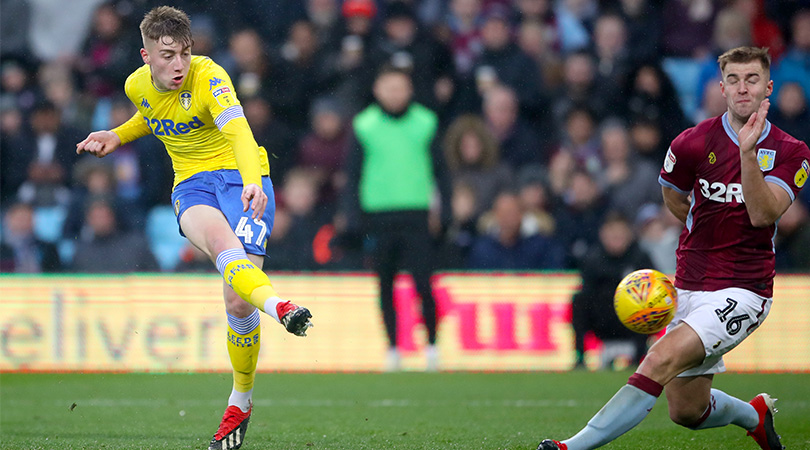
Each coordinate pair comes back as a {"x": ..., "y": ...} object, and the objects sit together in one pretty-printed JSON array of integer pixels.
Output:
[
  {"x": 209, "y": 231},
  {"x": 679, "y": 350}
]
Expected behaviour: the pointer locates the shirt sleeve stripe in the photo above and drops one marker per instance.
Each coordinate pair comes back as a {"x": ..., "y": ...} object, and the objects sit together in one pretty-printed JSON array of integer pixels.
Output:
[
  {"x": 229, "y": 114},
  {"x": 781, "y": 183},
  {"x": 666, "y": 183}
]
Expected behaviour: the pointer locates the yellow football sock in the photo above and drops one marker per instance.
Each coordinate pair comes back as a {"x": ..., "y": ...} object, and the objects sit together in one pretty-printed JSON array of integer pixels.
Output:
[
  {"x": 248, "y": 281},
  {"x": 244, "y": 352}
]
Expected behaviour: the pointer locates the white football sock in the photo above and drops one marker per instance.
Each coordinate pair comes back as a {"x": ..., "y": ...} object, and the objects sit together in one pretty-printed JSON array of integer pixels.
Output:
[
  {"x": 725, "y": 409},
  {"x": 270, "y": 307},
  {"x": 620, "y": 414},
  {"x": 240, "y": 399}
]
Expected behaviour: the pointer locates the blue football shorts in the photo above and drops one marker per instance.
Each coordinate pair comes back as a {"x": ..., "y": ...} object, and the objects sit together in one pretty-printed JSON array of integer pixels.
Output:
[{"x": 222, "y": 189}]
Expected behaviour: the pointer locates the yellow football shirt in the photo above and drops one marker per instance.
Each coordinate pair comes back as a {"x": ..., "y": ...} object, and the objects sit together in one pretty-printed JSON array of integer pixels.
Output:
[{"x": 190, "y": 120}]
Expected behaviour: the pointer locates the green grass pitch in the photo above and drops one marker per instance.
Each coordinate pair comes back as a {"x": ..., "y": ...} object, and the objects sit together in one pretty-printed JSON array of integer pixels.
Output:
[{"x": 360, "y": 411}]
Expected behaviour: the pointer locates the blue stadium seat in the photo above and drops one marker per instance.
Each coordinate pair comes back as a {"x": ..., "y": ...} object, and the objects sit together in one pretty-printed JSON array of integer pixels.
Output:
[
  {"x": 164, "y": 239},
  {"x": 48, "y": 222},
  {"x": 66, "y": 249},
  {"x": 684, "y": 73}
]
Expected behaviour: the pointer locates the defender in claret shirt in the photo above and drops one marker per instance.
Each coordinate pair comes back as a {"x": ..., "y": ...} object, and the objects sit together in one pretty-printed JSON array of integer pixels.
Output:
[
  {"x": 729, "y": 179},
  {"x": 222, "y": 193}
]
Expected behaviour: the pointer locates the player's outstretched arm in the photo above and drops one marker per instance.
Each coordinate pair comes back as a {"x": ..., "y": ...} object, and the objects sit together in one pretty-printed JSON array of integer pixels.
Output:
[{"x": 99, "y": 143}]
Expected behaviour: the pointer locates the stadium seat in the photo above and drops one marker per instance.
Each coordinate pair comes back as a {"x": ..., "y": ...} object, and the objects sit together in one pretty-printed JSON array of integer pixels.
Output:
[
  {"x": 48, "y": 222},
  {"x": 684, "y": 73},
  {"x": 66, "y": 249},
  {"x": 164, "y": 239}
]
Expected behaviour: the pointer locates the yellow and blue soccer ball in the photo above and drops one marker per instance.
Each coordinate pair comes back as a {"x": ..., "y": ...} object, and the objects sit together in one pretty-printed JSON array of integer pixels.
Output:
[{"x": 645, "y": 301}]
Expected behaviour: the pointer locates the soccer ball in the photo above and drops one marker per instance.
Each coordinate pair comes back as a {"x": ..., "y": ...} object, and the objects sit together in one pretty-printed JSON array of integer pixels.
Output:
[{"x": 645, "y": 301}]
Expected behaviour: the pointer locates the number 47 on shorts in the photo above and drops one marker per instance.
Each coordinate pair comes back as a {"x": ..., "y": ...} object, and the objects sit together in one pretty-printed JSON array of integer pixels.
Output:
[{"x": 244, "y": 230}]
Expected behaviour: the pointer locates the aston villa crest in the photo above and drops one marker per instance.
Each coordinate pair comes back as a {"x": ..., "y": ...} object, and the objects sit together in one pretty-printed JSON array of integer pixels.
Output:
[
  {"x": 766, "y": 158},
  {"x": 185, "y": 100}
]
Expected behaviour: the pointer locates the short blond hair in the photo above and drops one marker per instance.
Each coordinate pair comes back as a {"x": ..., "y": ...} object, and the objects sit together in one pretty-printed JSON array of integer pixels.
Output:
[
  {"x": 744, "y": 55},
  {"x": 166, "y": 21}
]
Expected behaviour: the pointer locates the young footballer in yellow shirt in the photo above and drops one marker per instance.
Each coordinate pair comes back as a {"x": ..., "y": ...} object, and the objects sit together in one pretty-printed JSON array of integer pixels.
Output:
[{"x": 222, "y": 195}]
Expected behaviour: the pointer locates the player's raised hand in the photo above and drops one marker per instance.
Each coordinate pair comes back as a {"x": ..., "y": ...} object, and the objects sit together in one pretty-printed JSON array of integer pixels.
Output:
[
  {"x": 99, "y": 143},
  {"x": 254, "y": 196},
  {"x": 750, "y": 132}
]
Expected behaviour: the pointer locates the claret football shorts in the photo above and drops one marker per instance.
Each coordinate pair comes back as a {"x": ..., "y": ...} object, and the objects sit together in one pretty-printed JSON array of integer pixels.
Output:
[
  {"x": 722, "y": 319},
  {"x": 222, "y": 189}
]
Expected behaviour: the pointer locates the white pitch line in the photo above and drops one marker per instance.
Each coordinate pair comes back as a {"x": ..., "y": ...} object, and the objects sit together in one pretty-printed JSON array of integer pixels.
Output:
[{"x": 322, "y": 403}]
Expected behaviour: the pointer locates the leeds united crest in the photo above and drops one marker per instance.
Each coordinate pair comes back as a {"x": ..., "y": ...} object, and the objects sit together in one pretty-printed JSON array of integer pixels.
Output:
[{"x": 185, "y": 100}]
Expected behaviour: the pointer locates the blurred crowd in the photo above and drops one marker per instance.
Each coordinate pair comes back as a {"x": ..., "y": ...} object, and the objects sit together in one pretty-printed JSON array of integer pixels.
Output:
[{"x": 555, "y": 115}]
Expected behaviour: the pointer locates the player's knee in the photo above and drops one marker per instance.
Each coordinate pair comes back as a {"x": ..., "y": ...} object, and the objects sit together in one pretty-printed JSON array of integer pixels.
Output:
[
  {"x": 689, "y": 417},
  {"x": 235, "y": 306},
  {"x": 218, "y": 244}
]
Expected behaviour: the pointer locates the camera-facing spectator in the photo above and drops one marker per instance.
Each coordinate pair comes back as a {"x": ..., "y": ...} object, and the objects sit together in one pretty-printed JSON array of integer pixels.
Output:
[
  {"x": 629, "y": 181},
  {"x": 462, "y": 231},
  {"x": 504, "y": 247},
  {"x": 793, "y": 239},
  {"x": 510, "y": 65},
  {"x": 794, "y": 63},
  {"x": 519, "y": 144},
  {"x": 13, "y": 141},
  {"x": 302, "y": 58},
  {"x": 602, "y": 268},
  {"x": 299, "y": 195},
  {"x": 579, "y": 216},
  {"x": 580, "y": 139},
  {"x": 714, "y": 104},
  {"x": 540, "y": 12},
  {"x": 658, "y": 233},
  {"x": 687, "y": 30},
  {"x": 107, "y": 55},
  {"x": 353, "y": 55},
  {"x": 473, "y": 158},
  {"x": 537, "y": 201},
  {"x": 51, "y": 159},
  {"x": 405, "y": 46},
  {"x": 60, "y": 87},
  {"x": 731, "y": 29},
  {"x": 791, "y": 112},
  {"x": 95, "y": 179},
  {"x": 18, "y": 90},
  {"x": 613, "y": 59},
  {"x": 536, "y": 40},
  {"x": 106, "y": 238},
  {"x": 323, "y": 151},
  {"x": 273, "y": 134},
  {"x": 581, "y": 85},
  {"x": 643, "y": 21},
  {"x": 21, "y": 251},
  {"x": 464, "y": 22},
  {"x": 650, "y": 93},
  {"x": 648, "y": 140}
]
